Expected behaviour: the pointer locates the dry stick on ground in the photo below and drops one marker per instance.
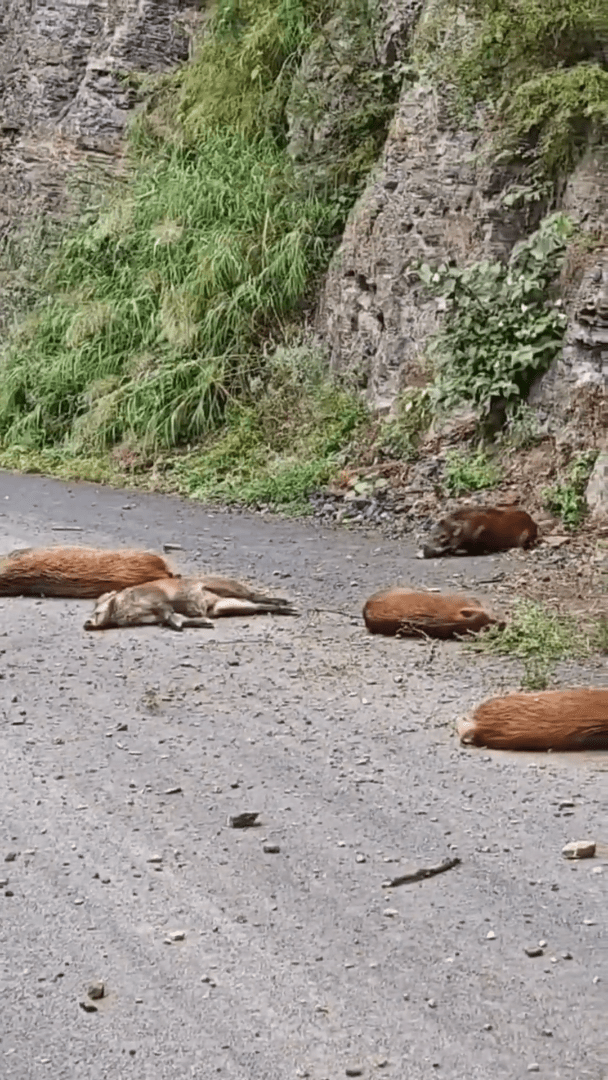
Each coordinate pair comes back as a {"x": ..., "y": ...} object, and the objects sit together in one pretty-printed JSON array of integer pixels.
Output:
[{"x": 423, "y": 872}]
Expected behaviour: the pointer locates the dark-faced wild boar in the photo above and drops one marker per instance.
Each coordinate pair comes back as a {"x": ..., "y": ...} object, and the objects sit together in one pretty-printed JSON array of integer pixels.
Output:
[
  {"x": 477, "y": 531},
  {"x": 548, "y": 720},
  {"x": 182, "y": 602},
  {"x": 77, "y": 571},
  {"x": 415, "y": 614}
]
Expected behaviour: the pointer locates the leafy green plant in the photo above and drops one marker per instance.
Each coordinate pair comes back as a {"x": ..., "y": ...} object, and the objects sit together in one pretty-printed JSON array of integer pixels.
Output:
[
  {"x": 539, "y": 637},
  {"x": 500, "y": 331},
  {"x": 399, "y": 436},
  {"x": 464, "y": 473},
  {"x": 568, "y": 499}
]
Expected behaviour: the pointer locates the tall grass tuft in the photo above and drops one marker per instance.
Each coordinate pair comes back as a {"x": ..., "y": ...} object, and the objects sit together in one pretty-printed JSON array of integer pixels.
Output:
[
  {"x": 158, "y": 310},
  {"x": 159, "y": 313}
]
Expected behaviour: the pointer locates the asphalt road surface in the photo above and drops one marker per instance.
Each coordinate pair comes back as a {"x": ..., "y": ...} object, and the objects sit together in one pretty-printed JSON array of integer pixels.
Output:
[{"x": 277, "y": 952}]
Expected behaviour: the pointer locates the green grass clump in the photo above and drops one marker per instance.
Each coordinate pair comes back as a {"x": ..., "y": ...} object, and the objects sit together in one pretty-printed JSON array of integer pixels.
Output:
[
  {"x": 568, "y": 499},
  {"x": 158, "y": 310},
  {"x": 281, "y": 447},
  {"x": 539, "y": 637},
  {"x": 242, "y": 76},
  {"x": 464, "y": 473},
  {"x": 284, "y": 438},
  {"x": 160, "y": 304}
]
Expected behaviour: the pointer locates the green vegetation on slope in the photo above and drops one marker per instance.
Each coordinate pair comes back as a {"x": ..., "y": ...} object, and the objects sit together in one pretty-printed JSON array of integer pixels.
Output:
[
  {"x": 539, "y": 67},
  {"x": 161, "y": 311},
  {"x": 568, "y": 498},
  {"x": 501, "y": 329},
  {"x": 158, "y": 316},
  {"x": 162, "y": 303}
]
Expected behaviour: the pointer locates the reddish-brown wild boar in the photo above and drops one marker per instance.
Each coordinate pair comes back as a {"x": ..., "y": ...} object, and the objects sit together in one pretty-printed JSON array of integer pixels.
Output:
[
  {"x": 477, "y": 530},
  {"x": 414, "y": 614},
  {"x": 77, "y": 571},
  {"x": 548, "y": 720}
]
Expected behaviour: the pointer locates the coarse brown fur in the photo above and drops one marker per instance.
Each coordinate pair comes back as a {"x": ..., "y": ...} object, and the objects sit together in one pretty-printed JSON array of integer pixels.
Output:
[
  {"x": 476, "y": 531},
  {"x": 77, "y": 571},
  {"x": 181, "y": 602},
  {"x": 548, "y": 720},
  {"x": 403, "y": 612}
]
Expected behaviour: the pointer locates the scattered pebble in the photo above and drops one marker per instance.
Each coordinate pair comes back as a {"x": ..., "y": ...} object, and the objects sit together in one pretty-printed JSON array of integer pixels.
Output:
[
  {"x": 243, "y": 821},
  {"x": 534, "y": 1067},
  {"x": 490, "y": 935},
  {"x": 271, "y": 849},
  {"x": 87, "y": 1006},
  {"x": 354, "y": 1070},
  {"x": 533, "y": 950},
  {"x": 96, "y": 990},
  {"x": 579, "y": 849},
  {"x": 173, "y": 790},
  {"x": 175, "y": 935}
]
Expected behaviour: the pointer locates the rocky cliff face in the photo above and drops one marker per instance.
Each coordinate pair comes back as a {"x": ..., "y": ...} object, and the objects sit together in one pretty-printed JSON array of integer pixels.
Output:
[
  {"x": 569, "y": 397},
  {"x": 64, "y": 90},
  {"x": 432, "y": 198}
]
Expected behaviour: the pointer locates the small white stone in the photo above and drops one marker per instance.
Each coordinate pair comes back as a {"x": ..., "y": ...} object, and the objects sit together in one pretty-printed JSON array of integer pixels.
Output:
[
  {"x": 579, "y": 849},
  {"x": 175, "y": 935}
]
